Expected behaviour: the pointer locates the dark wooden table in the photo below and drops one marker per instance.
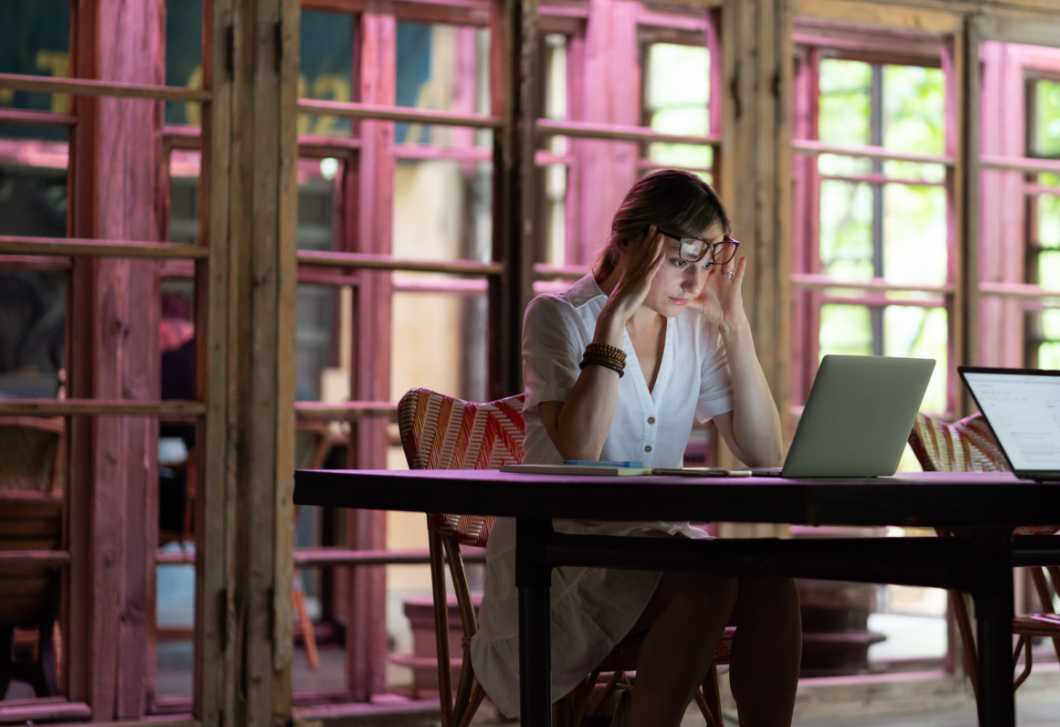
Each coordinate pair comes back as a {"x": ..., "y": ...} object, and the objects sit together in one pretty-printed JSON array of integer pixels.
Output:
[{"x": 979, "y": 562}]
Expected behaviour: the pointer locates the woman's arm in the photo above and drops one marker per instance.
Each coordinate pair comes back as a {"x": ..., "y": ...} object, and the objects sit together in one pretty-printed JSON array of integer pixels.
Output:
[
  {"x": 752, "y": 429},
  {"x": 578, "y": 427}
]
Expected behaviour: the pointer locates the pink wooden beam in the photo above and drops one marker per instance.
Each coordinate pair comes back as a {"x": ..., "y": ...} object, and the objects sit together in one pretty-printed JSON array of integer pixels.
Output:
[
  {"x": 881, "y": 179},
  {"x": 427, "y": 152},
  {"x": 616, "y": 132},
  {"x": 808, "y": 146},
  {"x": 85, "y": 87},
  {"x": 35, "y": 118},
  {"x": 333, "y": 557},
  {"x": 396, "y": 113},
  {"x": 48, "y": 709},
  {"x": 879, "y": 301},
  {"x": 446, "y": 286},
  {"x": 1016, "y": 290},
  {"x": 565, "y": 272},
  {"x": 34, "y": 262},
  {"x": 370, "y": 261},
  {"x": 346, "y": 411},
  {"x": 74, "y": 247},
  {"x": 28, "y": 559},
  {"x": 100, "y": 407},
  {"x": 1019, "y": 164},
  {"x": 809, "y": 281}
]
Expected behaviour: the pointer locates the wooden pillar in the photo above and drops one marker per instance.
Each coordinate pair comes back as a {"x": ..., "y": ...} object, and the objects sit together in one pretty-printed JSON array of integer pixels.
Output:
[
  {"x": 513, "y": 98},
  {"x": 216, "y": 661},
  {"x": 366, "y": 529},
  {"x": 757, "y": 173},
  {"x": 114, "y": 316},
  {"x": 260, "y": 357}
]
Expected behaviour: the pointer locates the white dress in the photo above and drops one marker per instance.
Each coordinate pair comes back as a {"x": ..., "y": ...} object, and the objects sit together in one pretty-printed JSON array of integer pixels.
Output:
[{"x": 594, "y": 608}]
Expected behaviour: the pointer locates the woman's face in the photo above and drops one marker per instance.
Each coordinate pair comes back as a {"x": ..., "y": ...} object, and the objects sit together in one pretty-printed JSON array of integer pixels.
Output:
[{"x": 678, "y": 281}]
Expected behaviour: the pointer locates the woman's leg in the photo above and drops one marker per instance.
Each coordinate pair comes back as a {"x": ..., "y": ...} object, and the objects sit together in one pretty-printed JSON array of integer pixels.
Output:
[
  {"x": 766, "y": 651},
  {"x": 685, "y": 619}
]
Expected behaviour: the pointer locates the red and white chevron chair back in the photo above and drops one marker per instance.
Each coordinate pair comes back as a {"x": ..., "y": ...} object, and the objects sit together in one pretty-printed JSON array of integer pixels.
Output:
[
  {"x": 443, "y": 432},
  {"x": 964, "y": 446}
]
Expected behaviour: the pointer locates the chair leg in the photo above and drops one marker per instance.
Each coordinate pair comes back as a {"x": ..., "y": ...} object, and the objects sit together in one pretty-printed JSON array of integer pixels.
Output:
[
  {"x": 441, "y": 626},
  {"x": 964, "y": 627},
  {"x": 477, "y": 693},
  {"x": 309, "y": 636},
  {"x": 7, "y": 657},
  {"x": 712, "y": 697},
  {"x": 1046, "y": 597},
  {"x": 1024, "y": 641}
]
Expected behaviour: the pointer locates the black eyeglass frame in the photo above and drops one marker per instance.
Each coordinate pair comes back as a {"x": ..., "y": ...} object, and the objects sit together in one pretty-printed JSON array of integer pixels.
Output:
[{"x": 688, "y": 243}]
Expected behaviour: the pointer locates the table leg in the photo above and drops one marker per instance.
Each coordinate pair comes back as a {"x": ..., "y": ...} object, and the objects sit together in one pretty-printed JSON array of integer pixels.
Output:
[
  {"x": 533, "y": 577},
  {"x": 993, "y": 614}
]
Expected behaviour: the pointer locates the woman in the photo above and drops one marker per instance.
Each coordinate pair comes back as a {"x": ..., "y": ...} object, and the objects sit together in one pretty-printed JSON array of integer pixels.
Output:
[{"x": 616, "y": 368}]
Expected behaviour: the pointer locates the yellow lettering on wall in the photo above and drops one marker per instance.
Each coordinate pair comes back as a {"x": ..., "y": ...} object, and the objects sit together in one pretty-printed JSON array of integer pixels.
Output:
[
  {"x": 59, "y": 64},
  {"x": 303, "y": 120},
  {"x": 193, "y": 111},
  {"x": 329, "y": 87}
]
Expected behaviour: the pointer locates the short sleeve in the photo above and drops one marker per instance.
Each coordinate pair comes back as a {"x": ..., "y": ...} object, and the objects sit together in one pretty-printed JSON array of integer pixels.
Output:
[
  {"x": 715, "y": 386},
  {"x": 552, "y": 348}
]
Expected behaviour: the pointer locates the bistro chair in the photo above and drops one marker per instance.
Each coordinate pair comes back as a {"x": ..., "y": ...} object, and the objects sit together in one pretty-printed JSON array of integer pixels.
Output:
[
  {"x": 969, "y": 446},
  {"x": 442, "y": 432},
  {"x": 31, "y": 518}
]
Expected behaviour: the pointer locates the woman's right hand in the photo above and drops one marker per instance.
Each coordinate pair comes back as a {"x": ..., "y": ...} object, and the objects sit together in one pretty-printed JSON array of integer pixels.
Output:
[{"x": 645, "y": 258}]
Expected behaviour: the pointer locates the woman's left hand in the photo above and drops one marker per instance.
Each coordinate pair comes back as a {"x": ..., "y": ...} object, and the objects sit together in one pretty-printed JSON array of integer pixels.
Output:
[{"x": 720, "y": 301}]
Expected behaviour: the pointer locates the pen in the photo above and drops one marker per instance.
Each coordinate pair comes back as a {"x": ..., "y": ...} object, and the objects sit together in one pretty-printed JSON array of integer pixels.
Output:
[{"x": 602, "y": 463}]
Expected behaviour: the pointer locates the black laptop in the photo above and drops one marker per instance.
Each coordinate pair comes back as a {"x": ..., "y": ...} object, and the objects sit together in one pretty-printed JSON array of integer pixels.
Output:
[{"x": 1022, "y": 408}]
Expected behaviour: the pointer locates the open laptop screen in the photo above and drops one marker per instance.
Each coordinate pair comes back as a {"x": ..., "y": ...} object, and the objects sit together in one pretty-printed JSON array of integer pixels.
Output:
[{"x": 1023, "y": 409}]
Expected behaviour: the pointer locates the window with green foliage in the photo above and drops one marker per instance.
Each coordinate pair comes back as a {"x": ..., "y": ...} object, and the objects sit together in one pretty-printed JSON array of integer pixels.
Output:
[
  {"x": 1043, "y": 254},
  {"x": 884, "y": 220},
  {"x": 676, "y": 101}
]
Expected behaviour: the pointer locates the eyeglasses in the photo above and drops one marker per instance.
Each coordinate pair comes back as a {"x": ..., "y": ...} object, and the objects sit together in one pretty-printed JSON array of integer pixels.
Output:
[{"x": 694, "y": 249}]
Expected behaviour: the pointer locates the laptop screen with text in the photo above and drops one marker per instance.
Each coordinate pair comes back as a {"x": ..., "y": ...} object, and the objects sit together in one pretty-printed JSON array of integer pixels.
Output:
[{"x": 1023, "y": 409}]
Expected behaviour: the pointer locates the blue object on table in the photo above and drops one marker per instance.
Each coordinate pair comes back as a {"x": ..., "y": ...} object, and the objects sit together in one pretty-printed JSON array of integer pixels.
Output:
[{"x": 603, "y": 463}]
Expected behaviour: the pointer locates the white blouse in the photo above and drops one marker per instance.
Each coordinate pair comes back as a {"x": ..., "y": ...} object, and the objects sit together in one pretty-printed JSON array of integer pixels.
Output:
[{"x": 594, "y": 608}]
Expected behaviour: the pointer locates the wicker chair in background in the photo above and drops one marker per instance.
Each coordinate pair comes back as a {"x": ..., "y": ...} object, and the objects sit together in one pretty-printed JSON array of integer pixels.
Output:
[
  {"x": 969, "y": 446},
  {"x": 441, "y": 432},
  {"x": 31, "y": 518}
]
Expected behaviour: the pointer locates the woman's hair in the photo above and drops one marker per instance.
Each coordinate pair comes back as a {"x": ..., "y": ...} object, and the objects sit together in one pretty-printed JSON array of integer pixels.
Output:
[{"x": 677, "y": 202}]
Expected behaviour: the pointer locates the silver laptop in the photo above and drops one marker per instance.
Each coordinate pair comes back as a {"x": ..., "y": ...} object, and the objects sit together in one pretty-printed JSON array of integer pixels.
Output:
[
  {"x": 857, "y": 418},
  {"x": 1022, "y": 408}
]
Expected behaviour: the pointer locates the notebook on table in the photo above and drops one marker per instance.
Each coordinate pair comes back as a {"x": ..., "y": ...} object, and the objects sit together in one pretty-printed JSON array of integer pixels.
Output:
[
  {"x": 1022, "y": 409},
  {"x": 857, "y": 417}
]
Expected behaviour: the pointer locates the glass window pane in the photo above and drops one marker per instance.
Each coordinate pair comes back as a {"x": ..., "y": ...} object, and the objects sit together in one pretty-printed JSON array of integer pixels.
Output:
[
  {"x": 35, "y": 40},
  {"x": 845, "y": 105},
  {"x": 184, "y": 57},
  {"x": 1049, "y": 270},
  {"x": 442, "y": 68},
  {"x": 676, "y": 97},
  {"x": 914, "y": 234},
  {"x": 1047, "y": 119},
  {"x": 914, "y": 117},
  {"x": 921, "y": 333},
  {"x": 846, "y": 329},
  {"x": 846, "y": 230},
  {"x": 326, "y": 68},
  {"x": 1049, "y": 221}
]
